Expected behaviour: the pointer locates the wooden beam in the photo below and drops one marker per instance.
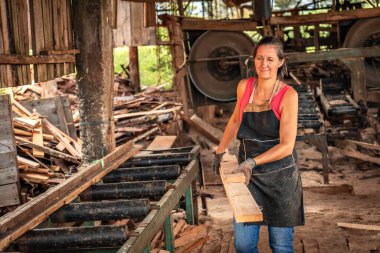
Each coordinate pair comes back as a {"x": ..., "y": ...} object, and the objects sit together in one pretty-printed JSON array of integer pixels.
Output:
[
  {"x": 364, "y": 144},
  {"x": 135, "y": 114},
  {"x": 244, "y": 206},
  {"x": 217, "y": 25},
  {"x": 335, "y": 54},
  {"x": 60, "y": 52},
  {"x": 358, "y": 226},
  {"x": 360, "y": 156},
  {"x": 330, "y": 17},
  {"x": 49, "y": 151},
  {"x": 198, "y": 128},
  {"x": 40, "y": 59},
  {"x": 162, "y": 142},
  {"x": 29, "y": 215},
  {"x": 134, "y": 67}
]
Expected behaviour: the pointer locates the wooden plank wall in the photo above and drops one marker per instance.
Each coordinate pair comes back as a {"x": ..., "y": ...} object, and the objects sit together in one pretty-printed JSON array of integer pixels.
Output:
[
  {"x": 9, "y": 184},
  {"x": 44, "y": 23},
  {"x": 131, "y": 30}
]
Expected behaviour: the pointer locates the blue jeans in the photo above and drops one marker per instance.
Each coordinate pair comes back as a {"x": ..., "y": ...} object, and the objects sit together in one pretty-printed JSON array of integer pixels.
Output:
[{"x": 246, "y": 238}]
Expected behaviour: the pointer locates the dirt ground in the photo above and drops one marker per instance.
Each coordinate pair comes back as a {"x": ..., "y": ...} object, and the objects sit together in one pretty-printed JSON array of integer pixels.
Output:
[{"x": 352, "y": 196}]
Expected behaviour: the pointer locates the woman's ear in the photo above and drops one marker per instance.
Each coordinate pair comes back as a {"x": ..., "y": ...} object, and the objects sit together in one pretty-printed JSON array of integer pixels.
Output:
[{"x": 281, "y": 63}]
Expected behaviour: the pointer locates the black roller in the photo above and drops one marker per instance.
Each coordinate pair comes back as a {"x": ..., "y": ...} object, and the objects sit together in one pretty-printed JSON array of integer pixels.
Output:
[
  {"x": 218, "y": 79},
  {"x": 72, "y": 238},
  {"x": 143, "y": 173},
  {"x": 146, "y": 189},
  {"x": 105, "y": 210}
]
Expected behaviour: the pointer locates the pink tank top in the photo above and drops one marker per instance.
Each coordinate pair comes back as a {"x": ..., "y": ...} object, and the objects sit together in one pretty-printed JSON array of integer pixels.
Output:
[{"x": 275, "y": 103}]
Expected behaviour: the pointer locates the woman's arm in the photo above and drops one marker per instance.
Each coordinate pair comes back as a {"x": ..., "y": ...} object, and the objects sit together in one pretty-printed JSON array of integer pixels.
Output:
[
  {"x": 288, "y": 130},
  {"x": 234, "y": 122}
]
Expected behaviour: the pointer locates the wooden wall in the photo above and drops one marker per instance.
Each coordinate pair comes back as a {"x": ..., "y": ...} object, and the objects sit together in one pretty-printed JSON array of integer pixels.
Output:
[
  {"x": 9, "y": 181},
  {"x": 35, "y": 41},
  {"x": 132, "y": 28}
]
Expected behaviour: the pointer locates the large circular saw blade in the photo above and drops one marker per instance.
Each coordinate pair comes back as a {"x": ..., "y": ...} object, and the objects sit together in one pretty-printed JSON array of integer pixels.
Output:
[{"x": 218, "y": 79}]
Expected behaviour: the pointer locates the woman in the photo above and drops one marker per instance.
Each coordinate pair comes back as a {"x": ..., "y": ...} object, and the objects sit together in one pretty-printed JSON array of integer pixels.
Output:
[{"x": 265, "y": 122}]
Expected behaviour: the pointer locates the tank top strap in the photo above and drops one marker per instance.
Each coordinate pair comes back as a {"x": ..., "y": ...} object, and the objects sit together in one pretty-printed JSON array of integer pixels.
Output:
[
  {"x": 276, "y": 100},
  {"x": 247, "y": 94}
]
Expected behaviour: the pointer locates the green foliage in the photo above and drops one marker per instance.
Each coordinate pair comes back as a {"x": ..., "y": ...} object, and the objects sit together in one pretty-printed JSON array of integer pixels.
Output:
[
  {"x": 154, "y": 70},
  {"x": 4, "y": 91},
  {"x": 284, "y": 4}
]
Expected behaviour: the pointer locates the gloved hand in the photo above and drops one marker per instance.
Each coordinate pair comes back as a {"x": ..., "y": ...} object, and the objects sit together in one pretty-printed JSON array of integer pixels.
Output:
[
  {"x": 217, "y": 160},
  {"x": 246, "y": 168}
]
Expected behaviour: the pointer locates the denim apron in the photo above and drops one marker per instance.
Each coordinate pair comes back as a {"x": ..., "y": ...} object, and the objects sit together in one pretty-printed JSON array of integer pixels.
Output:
[{"x": 276, "y": 186}]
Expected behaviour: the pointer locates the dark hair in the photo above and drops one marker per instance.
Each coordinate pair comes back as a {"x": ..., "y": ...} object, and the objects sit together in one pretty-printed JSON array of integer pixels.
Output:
[{"x": 277, "y": 42}]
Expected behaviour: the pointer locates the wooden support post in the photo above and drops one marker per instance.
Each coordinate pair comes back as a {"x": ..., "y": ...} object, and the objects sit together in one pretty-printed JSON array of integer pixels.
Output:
[
  {"x": 179, "y": 61},
  {"x": 134, "y": 67},
  {"x": 93, "y": 30},
  {"x": 358, "y": 80}
]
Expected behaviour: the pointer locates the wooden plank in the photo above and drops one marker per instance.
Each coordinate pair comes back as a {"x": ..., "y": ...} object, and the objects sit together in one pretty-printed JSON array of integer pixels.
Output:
[
  {"x": 15, "y": 36},
  {"x": 358, "y": 226},
  {"x": 38, "y": 42},
  {"x": 24, "y": 37},
  {"x": 162, "y": 142},
  {"x": 364, "y": 144},
  {"x": 135, "y": 114},
  {"x": 191, "y": 236},
  {"x": 199, "y": 128},
  {"x": 64, "y": 138},
  {"x": 48, "y": 33},
  {"x": 38, "y": 139},
  {"x": 27, "y": 162},
  {"x": 360, "y": 156},
  {"x": 60, "y": 52},
  {"x": 9, "y": 75},
  {"x": 329, "y": 17},
  {"x": 218, "y": 25},
  {"x": 48, "y": 151},
  {"x": 68, "y": 114},
  {"x": 9, "y": 195},
  {"x": 34, "y": 177},
  {"x": 29, "y": 215},
  {"x": 244, "y": 206},
  {"x": 39, "y": 59}
]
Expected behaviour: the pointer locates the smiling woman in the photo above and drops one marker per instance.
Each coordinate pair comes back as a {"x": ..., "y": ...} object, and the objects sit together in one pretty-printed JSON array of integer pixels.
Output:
[{"x": 265, "y": 122}]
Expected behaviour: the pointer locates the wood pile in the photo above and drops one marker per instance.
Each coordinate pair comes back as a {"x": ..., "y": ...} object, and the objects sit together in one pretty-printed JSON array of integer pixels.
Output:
[
  {"x": 44, "y": 152},
  {"x": 48, "y": 151},
  {"x": 194, "y": 238}
]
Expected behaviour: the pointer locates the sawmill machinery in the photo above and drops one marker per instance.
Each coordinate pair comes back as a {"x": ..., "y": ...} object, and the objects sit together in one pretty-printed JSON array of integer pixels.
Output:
[{"x": 217, "y": 59}]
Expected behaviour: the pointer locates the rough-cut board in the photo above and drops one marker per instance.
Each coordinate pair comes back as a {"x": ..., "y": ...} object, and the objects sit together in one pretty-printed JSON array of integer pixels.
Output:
[
  {"x": 162, "y": 142},
  {"x": 8, "y": 164},
  {"x": 358, "y": 226},
  {"x": 244, "y": 206}
]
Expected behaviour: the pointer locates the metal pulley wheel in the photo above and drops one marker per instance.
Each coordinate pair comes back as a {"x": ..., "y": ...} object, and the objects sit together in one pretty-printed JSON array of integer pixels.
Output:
[
  {"x": 218, "y": 78},
  {"x": 366, "y": 33}
]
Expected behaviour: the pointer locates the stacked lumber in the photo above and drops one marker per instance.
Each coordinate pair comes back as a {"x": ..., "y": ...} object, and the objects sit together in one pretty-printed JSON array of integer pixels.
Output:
[
  {"x": 193, "y": 238},
  {"x": 135, "y": 114},
  {"x": 44, "y": 152}
]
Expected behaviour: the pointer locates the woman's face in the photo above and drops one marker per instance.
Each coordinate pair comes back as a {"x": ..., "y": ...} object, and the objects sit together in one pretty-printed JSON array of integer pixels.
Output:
[{"x": 267, "y": 62}]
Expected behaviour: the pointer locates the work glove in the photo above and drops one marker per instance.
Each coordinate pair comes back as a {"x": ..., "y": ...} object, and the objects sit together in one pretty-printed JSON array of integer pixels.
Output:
[
  {"x": 216, "y": 162},
  {"x": 246, "y": 168}
]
